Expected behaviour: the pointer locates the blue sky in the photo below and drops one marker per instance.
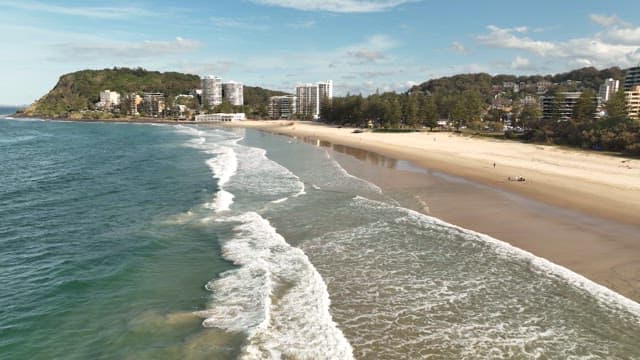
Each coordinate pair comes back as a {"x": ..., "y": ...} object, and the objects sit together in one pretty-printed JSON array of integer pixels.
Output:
[{"x": 362, "y": 45}]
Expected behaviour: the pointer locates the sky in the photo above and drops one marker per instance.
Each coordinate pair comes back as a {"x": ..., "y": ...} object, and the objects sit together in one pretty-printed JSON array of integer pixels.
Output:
[{"x": 362, "y": 45}]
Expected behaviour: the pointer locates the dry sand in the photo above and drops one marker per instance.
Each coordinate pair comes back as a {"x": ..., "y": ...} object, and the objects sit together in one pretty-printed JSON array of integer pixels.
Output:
[{"x": 578, "y": 209}]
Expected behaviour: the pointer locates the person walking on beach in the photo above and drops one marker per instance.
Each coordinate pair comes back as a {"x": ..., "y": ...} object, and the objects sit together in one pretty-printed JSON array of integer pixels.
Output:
[{"x": 494, "y": 165}]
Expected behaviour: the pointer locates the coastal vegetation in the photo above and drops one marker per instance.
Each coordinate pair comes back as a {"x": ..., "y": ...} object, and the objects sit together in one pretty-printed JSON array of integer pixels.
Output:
[
  {"x": 477, "y": 102},
  {"x": 75, "y": 94}
]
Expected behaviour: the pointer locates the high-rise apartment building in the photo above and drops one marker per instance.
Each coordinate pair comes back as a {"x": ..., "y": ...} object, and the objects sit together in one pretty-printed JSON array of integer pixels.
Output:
[
  {"x": 233, "y": 93},
  {"x": 632, "y": 78},
  {"x": 632, "y": 97},
  {"x": 211, "y": 91},
  {"x": 608, "y": 89},
  {"x": 282, "y": 107},
  {"x": 325, "y": 90},
  {"x": 307, "y": 101}
]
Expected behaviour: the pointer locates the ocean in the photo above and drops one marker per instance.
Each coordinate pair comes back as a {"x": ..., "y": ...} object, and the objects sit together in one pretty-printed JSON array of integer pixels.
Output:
[{"x": 130, "y": 241}]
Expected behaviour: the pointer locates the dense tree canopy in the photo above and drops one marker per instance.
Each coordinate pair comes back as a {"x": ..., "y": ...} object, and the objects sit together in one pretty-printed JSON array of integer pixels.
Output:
[{"x": 464, "y": 100}]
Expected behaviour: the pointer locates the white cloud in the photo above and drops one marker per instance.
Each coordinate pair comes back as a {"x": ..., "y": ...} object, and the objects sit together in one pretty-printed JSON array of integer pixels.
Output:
[
  {"x": 238, "y": 24},
  {"x": 617, "y": 30},
  {"x": 370, "y": 87},
  {"x": 505, "y": 38},
  {"x": 303, "y": 24},
  {"x": 123, "y": 50},
  {"x": 630, "y": 36},
  {"x": 101, "y": 12},
  {"x": 604, "y": 20},
  {"x": 615, "y": 47},
  {"x": 338, "y": 6},
  {"x": 458, "y": 47},
  {"x": 367, "y": 55},
  {"x": 375, "y": 48},
  {"x": 219, "y": 67},
  {"x": 521, "y": 63}
]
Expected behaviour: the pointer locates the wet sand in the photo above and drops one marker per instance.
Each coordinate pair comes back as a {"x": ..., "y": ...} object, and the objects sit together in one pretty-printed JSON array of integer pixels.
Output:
[
  {"x": 584, "y": 216},
  {"x": 604, "y": 251}
]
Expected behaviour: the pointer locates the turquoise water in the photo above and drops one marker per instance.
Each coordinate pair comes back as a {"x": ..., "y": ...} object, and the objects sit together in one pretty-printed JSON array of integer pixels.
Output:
[
  {"x": 139, "y": 241},
  {"x": 90, "y": 265}
]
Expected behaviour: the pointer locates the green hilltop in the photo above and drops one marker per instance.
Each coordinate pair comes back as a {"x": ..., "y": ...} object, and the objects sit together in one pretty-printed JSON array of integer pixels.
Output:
[{"x": 79, "y": 91}]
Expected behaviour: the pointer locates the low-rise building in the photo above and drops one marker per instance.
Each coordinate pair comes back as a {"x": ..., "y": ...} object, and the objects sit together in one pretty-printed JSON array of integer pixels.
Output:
[
  {"x": 559, "y": 107},
  {"x": 221, "y": 117},
  {"x": 153, "y": 103},
  {"x": 132, "y": 104},
  {"x": 108, "y": 100},
  {"x": 180, "y": 111}
]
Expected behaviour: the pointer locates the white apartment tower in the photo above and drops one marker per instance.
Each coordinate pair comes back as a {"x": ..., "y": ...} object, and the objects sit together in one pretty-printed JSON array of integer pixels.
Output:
[
  {"x": 325, "y": 90},
  {"x": 608, "y": 89},
  {"x": 211, "y": 91},
  {"x": 233, "y": 93},
  {"x": 308, "y": 100}
]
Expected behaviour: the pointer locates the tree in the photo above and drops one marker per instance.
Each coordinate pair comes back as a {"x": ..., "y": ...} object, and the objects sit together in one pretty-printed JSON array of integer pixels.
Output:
[
  {"x": 585, "y": 107},
  {"x": 530, "y": 115},
  {"x": 558, "y": 104},
  {"x": 411, "y": 109},
  {"x": 395, "y": 112},
  {"x": 459, "y": 113},
  {"x": 616, "y": 106},
  {"x": 473, "y": 104},
  {"x": 429, "y": 112}
]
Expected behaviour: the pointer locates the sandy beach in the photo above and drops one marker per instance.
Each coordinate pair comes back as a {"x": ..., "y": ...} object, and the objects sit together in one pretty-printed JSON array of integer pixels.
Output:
[{"x": 578, "y": 209}]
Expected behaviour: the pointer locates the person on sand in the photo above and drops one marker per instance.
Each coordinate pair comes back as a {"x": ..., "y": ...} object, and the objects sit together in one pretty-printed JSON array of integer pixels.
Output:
[{"x": 494, "y": 165}]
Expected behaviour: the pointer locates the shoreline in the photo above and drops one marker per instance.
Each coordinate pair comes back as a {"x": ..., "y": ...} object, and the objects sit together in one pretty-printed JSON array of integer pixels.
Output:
[
  {"x": 588, "y": 225},
  {"x": 595, "y": 243},
  {"x": 609, "y": 189}
]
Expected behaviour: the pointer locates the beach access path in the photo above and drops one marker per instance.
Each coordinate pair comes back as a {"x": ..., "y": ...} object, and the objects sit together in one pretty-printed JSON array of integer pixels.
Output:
[{"x": 597, "y": 185}]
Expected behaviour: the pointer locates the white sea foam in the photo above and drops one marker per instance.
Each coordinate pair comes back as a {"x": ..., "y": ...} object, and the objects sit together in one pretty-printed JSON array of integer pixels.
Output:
[
  {"x": 342, "y": 171},
  {"x": 603, "y": 294},
  {"x": 275, "y": 296},
  {"x": 180, "y": 219},
  {"x": 265, "y": 178},
  {"x": 188, "y": 130},
  {"x": 221, "y": 202},
  {"x": 224, "y": 165},
  {"x": 406, "y": 285}
]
